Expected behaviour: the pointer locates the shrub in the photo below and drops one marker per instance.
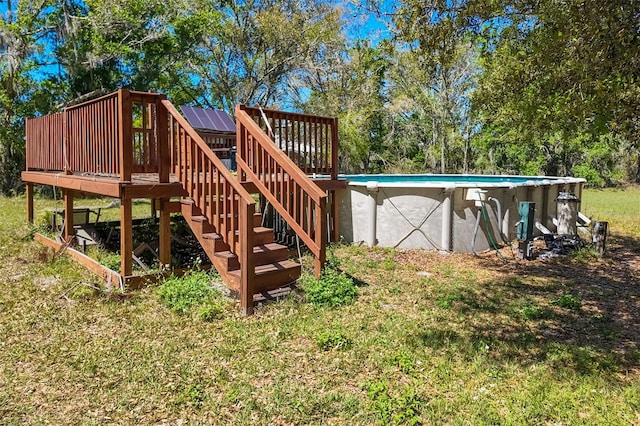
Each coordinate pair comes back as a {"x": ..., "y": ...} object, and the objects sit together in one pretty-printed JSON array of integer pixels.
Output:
[
  {"x": 589, "y": 173},
  {"x": 332, "y": 289},
  {"x": 181, "y": 294}
]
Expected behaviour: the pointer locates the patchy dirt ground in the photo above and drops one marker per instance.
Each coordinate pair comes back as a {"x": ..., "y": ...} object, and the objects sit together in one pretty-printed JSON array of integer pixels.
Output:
[{"x": 608, "y": 290}]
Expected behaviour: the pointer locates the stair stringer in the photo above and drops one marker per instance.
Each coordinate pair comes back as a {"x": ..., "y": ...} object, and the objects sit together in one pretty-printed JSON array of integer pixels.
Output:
[
  {"x": 273, "y": 269},
  {"x": 211, "y": 244}
]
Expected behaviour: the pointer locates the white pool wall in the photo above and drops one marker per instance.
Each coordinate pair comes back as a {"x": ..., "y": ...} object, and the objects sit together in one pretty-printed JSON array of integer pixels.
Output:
[{"x": 438, "y": 216}]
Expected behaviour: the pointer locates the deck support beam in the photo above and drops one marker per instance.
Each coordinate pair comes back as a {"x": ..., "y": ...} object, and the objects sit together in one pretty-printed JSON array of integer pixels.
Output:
[
  {"x": 29, "y": 202},
  {"x": 321, "y": 237},
  {"x": 247, "y": 262},
  {"x": 67, "y": 199},
  {"x": 335, "y": 220},
  {"x": 126, "y": 237},
  {"x": 165, "y": 234}
]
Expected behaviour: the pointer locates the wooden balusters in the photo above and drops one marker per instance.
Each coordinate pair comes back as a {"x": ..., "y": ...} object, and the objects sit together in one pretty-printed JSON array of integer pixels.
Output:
[{"x": 303, "y": 206}]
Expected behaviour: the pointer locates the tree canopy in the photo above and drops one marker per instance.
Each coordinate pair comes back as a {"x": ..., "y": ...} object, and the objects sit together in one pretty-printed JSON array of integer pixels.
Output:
[{"x": 492, "y": 86}]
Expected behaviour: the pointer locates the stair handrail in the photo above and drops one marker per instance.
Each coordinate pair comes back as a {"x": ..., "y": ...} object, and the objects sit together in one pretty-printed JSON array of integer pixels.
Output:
[
  {"x": 301, "y": 221},
  {"x": 311, "y": 141},
  {"x": 189, "y": 166}
]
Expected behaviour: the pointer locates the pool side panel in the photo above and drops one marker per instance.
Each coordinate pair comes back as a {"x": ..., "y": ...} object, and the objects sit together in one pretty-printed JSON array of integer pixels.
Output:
[
  {"x": 410, "y": 217},
  {"x": 422, "y": 216}
]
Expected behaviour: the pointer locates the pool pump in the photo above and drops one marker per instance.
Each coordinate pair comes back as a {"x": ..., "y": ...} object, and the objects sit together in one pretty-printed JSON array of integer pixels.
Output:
[{"x": 524, "y": 229}]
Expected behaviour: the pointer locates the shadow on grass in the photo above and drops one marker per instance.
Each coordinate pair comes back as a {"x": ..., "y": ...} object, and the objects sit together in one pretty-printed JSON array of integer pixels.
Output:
[
  {"x": 357, "y": 281},
  {"x": 583, "y": 317}
]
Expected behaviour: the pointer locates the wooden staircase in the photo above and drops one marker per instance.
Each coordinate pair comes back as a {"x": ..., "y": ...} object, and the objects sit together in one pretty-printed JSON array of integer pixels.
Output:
[
  {"x": 273, "y": 269},
  {"x": 113, "y": 145},
  {"x": 222, "y": 213}
]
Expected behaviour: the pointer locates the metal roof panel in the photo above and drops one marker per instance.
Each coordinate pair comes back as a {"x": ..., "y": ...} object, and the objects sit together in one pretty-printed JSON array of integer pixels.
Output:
[{"x": 208, "y": 119}]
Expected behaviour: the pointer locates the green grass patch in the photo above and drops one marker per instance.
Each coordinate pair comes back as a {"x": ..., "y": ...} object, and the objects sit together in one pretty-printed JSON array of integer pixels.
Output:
[
  {"x": 585, "y": 255},
  {"x": 529, "y": 311},
  {"x": 192, "y": 290},
  {"x": 568, "y": 301},
  {"x": 400, "y": 407},
  {"x": 335, "y": 339},
  {"x": 474, "y": 341},
  {"x": 618, "y": 206},
  {"x": 333, "y": 289}
]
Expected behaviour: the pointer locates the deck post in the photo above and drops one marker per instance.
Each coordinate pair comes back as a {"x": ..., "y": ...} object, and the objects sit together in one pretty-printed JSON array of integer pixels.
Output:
[
  {"x": 125, "y": 138},
  {"x": 162, "y": 138},
  {"x": 335, "y": 219},
  {"x": 126, "y": 237},
  {"x": 334, "y": 149},
  {"x": 67, "y": 199},
  {"x": 165, "y": 234},
  {"x": 321, "y": 236},
  {"x": 241, "y": 147},
  {"x": 29, "y": 202},
  {"x": 247, "y": 263}
]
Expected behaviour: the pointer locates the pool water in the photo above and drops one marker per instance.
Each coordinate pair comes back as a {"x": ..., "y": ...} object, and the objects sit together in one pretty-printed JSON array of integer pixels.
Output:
[{"x": 458, "y": 180}]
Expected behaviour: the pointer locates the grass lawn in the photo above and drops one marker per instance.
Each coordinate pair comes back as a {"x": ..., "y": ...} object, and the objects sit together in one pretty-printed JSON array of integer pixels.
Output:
[{"x": 430, "y": 338}]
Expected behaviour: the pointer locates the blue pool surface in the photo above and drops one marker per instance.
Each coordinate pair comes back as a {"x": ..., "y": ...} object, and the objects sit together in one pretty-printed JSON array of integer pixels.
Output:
[{"x": 447, "y": 179}]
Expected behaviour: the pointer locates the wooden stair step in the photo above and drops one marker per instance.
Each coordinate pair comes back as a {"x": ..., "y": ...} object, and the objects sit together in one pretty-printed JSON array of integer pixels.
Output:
[
  {"x": 274, "y": 275},
  {"x": 261, "y": 235},
  {"x": 202, "y": 223},
  {"x": 212, "y": 236},
  {"x": 264, "y": 253},
  {"x": 197, "y": 216},
  {"x": 216, "y": 242},
  {"x": 257, "y": 218}
]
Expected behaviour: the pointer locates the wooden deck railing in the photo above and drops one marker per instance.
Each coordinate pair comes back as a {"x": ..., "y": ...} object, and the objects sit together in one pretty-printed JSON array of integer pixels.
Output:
[
  {"x": 91, "y": 136},
  {"x": 289, "y": 190},
  {"x": 310, "y": 141},
  {"x": 145, "y": 145},
  {"x": 111, "y": 135},
  {"x": 45, "y": 148},
  {"x": 218, "y": 142},
  {"x": 220, "y": 196}
]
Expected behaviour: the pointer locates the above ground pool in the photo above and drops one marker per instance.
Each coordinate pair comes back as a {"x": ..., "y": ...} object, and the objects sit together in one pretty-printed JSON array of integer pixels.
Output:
[{"x": 441, "y": 211}]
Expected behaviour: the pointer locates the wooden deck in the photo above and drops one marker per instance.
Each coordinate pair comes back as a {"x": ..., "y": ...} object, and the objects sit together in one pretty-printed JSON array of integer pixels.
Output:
[
  {"x": 141, "y": 185},
  {"x": 130, "y": 145}
]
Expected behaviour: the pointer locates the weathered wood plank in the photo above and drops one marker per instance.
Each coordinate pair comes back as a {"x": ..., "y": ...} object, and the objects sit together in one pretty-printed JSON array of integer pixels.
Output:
[{"x": 84, "y": 260}]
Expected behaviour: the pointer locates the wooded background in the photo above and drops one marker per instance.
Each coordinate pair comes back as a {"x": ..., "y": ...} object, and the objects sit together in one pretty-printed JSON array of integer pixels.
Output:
[{"x": 445, "y": 86}]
